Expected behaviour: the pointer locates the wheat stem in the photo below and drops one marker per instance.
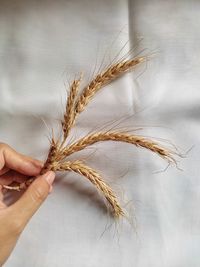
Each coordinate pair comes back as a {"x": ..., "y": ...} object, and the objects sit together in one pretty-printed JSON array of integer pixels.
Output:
[{"x": 19, "y": 186}]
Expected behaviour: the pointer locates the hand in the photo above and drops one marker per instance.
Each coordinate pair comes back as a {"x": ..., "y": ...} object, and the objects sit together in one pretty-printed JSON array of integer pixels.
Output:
[{"x": 13, "y": 219}]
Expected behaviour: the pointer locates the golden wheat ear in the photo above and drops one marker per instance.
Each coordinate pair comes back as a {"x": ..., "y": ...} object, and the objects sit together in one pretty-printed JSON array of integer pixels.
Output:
[
  {"x": 136, "y": 140},
  {"x": 69, "y": 115},
  {"x": 108, "y": 75},
  {"x": 95, "y": 178}
]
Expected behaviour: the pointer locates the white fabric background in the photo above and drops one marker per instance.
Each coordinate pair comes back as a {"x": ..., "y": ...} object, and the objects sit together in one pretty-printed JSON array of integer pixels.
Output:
[{"x": 44, "y": 42}]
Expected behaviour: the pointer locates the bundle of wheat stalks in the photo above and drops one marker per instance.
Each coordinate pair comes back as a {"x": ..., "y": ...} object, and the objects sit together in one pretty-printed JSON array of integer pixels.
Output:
[{"x": 76, "y": 103}]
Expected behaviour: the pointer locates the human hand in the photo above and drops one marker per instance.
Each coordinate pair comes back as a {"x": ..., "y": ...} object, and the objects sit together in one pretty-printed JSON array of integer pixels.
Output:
[{"x": 16, "y": 167}]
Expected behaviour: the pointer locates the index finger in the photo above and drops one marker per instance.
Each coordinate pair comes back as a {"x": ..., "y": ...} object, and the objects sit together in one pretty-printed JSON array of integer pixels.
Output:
[{"x": 13, "y": 160}]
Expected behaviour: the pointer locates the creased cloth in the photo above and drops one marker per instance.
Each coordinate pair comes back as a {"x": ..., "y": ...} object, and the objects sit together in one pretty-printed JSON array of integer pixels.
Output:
[{"x": 43, "y": 45}]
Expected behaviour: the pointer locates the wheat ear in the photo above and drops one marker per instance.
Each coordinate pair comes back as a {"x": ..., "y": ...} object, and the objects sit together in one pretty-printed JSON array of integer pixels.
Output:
[
  {"x": 136, "y": 140},
  {"x": 102, "y": 79},
  {"x": 69, "y": 115},
  {"x": 95, "y": 178}
]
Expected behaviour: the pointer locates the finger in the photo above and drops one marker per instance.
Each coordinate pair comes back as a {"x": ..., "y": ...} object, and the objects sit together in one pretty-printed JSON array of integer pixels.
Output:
[
  {"x": 11, "y": 159},
  {"x": 34, "y": 196}
]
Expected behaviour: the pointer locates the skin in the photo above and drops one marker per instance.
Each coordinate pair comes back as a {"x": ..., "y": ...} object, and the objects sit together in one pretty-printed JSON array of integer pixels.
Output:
[{"x": 13, "y": 219}]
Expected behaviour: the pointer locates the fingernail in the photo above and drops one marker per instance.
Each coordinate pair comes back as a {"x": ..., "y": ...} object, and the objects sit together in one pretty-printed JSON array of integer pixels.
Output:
[{"x": 49, "y": 176}]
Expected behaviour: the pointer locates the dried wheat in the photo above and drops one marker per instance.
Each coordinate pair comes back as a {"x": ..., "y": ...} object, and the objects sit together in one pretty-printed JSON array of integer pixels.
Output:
[
  {"x": 69, "y": 114},
  {"x": 136, "y": 140},
  {"x": 75, "y": 104},
  {"x": 95, "y": 178},
  {"x": 102, "y": 79}
]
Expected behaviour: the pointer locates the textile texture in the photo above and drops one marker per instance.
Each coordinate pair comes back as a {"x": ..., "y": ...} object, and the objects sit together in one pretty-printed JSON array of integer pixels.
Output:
[{"x": 45, "y": 43}]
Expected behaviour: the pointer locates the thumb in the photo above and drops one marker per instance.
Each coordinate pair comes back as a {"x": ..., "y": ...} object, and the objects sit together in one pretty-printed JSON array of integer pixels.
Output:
[{"x": 34, "y": 196}]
